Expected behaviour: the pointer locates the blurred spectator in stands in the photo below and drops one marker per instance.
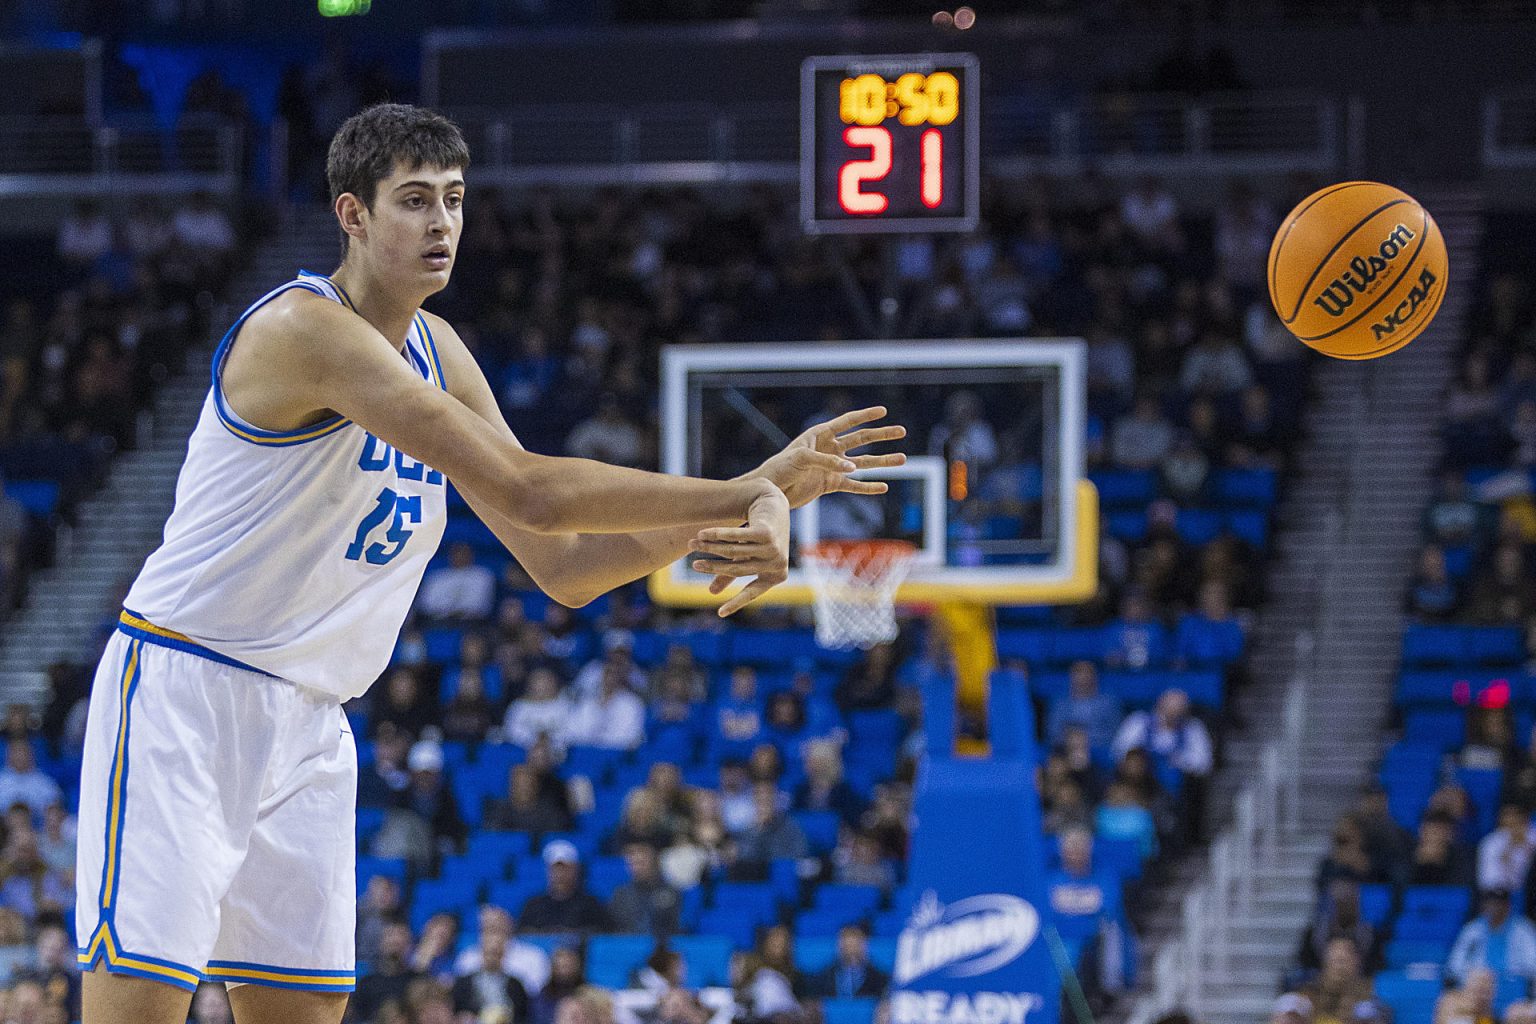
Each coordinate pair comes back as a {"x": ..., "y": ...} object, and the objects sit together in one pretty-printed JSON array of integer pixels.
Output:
[
  {"x": 489, "y": 976},
  {"x": 389, "y": 972},
  {"x": 378, "y": 906},
  {"x": 738, "y": 715},
  {"x": 1002, "y": 301},
  {"x": 618, "y": 652},
  {"x": 1215, "y": 366},
  {"x": 566, "y": 905},
  {"x": 1471, "y": 1003},
  {"x": 460, "y": 590},
  {"x": 1176, "y": 738},
  {"x": 762, "y": 993},
  {"x": 541, "y": 711},
  {"x": 607, "y": 436},
  {"x": 55, "y": 968},
  {"x": 870, "y": 684},
  {"x": 1490, "y": 744},
  {"x": 1453, "y": 519},
  {"x": 1142, "y": 439},
  {"x": 1064, "y": 801},
  {"x": 1504, "y": 856},
  {"x": 428, "y": 1001},
  {"x": 1473, "y": 430},
  {"x": 435, "y": 950},
  {"x": 404, "y": 704},
  {"x": 21, "y": 781},
  {"x": 681, "y": 666},
  {"x": 644, "y": 821},
  {"x": 1337, "y": 917},
  {"x": 469, "y": 715},
  {"x": 665, "y": 782},
  {"x": 1138, "y": 775},
  {"x": 964, "y": 435},
  {"x": 29, "y": 885},
  {"x": 1347, "y": 858},
  {"x": 1097, "y": 714},
  {"x": 1452, "y": 801},
  {"x": 613, "y": 719},
  {"x": 1211, "y": 636},
  {"x": 85, "y": 236},
  {"x": 776, "y": 947},
  {"x": 1111, "y": 369},
  {"x": 1079, "y": 761},
  {"x": 102, "y": 390},
  {"x": 15, "y": 952},
  {"x": 784, "y": 723},
  {"x": 1245, "y": 227},
  {"x": 858, "y": 860},
  {"x": 1506, "y": 595},
  {"x": 1137, "y": 639},
  {"x": 1259, "y": 430},
  {"x": 1184, "y": 471},
  {"x": 1387, "y": 842},
  {"x": 567, "y": 975},
  {"x": 385, "y": 780},
  {"x": 851, "y": 975},
  {"x": 1152, "y": 215},
  {"x": 527, "y": 807},
  {"x": 645, "y": 904},
  {"x": 1341, "y": 985},
  {"x": 664, "y": 971},
  {"x": 887, "y": 819},
  {"x": 1438, "y": 857},
  {"x": 1122, "y": 816},
  {"x": 1432, "y": 594},
  {"x": 773, "y": 835},
  {"x": 736, "y": 802},
  {"x": 701, "y": 848},
  {"x": 824, "y": 788},
  {"x": 205, "y": 235},
  {"x": 1292, "y": 1008},
  {"x": 431, "y": 798},
  {"x": 1086, "y": 906},
  {"x": 1495, "y": 939},
  {"x": 147, "y": 232}
]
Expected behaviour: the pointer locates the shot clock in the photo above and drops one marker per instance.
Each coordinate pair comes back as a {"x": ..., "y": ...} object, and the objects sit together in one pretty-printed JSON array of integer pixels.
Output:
[{"x": 889, "y": 143}]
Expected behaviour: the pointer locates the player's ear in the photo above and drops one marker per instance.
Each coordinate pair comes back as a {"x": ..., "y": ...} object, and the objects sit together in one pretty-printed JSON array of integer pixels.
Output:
[{"x": 350, "y": 211}]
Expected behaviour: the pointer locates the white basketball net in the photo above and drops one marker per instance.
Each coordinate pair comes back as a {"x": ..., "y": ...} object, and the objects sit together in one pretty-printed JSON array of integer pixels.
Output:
[{"x": 855, "y": 584}]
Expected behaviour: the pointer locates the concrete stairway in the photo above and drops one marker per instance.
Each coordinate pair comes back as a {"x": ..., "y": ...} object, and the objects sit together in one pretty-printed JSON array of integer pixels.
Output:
[
  {"x": 1348, "y": 531},
  {"x": 117, "y": 527}
]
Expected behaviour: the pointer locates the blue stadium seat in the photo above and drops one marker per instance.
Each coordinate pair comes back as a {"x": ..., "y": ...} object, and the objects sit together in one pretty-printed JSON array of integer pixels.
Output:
[
  {"x": 39, "y": 497},
  {"x": 814, "y": 952},
  {"x": 1129, "y": 526},
  {"x": 1407, "y": 796},
  {"x": 369, "y": 821},
  {"x": 1411, "y": 994},
  {"x": 1250, "y": 526},
  {"x": 1483, "y": 786},
  {"x": 738, "y": 928},
  {"x": 605, "y": 874},
  {"x": 784, "y": 877},
  {"x": 1198, "y": 525},
  {"x": 860, "y": 898},
  {"x": 828, "y": 920},
  {"x": 771, "y": 646},
  {"x": 882, "y": 730},
  {"x": 510, "y": 896},
  {"x": 1434, "y": 645},
  {"x": 1124, "y": 488},
  {"x": 889, "y": 923},
  {"x": 1406, "y": 952},
  {"x": 503, "y": 848},
  {"x": 1031, "y": 645},
  {"x": 848, "y": 1011},
  {"x": 467, "y": 867},
  {"x": 1085, "y": 643},
  {"x": 1446, "y": 727},
  {"x": 1445, "y": 687},
  {"x": 451, "y": 895},
  {"x": 593, "y": 762},
  {"x": 752, "y": 899},
  {"x": 612, "y": 959},
  {"x": 882, "y": 952},
  {"x": 1496, "y": 645},
  {"x": 708, "y": 958},
  {"x": 1432, "y": 912},
  {"x": 1247, "y": 487},
  {"x": 1375, "y": 904},
  {"x": 1050, "y": 686},
  {"x": 443, "y": 644},
  {"x": 820, "y": 828},
  {"x": 1511, "y": 989}
]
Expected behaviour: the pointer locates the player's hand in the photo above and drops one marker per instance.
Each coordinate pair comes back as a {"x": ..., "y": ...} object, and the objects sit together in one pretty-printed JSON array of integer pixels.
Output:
[
  {"x": 818, "y": 461},
  {"x": 760, "y": 549}
]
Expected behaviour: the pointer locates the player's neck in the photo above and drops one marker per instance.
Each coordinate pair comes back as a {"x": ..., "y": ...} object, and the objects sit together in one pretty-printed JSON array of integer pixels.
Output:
[{"x": 389, "y": 312}]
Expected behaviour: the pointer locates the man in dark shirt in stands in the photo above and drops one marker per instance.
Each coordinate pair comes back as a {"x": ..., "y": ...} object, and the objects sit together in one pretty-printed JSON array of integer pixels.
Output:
[
  {"x": 645, "y": 904},
  {"x": 565, "y": 906},
  {"x": 391, "y": 975},
  {"x": 851, "y": 975}
]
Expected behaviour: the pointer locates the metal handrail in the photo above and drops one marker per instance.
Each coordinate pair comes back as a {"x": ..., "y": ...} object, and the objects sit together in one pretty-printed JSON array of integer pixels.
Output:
[{"x": 69, "y": 155}]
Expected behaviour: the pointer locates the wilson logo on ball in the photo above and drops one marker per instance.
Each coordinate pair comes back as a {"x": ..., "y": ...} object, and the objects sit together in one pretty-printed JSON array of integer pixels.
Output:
[
  {"x": 1407, "y": 308},
  {"x": 1340, "y": 293}
]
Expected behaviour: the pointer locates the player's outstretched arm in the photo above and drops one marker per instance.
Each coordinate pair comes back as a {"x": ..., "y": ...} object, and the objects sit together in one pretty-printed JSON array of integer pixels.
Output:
[{"x": 332, "y": 359}]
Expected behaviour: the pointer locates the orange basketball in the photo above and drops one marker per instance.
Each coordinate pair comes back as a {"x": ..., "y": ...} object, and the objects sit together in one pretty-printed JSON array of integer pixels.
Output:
[{"x": 1357, "y": 270}]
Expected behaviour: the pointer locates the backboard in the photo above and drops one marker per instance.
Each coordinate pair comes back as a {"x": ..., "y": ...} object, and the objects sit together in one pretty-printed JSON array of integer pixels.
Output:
[{"x": 992, "y": 496}]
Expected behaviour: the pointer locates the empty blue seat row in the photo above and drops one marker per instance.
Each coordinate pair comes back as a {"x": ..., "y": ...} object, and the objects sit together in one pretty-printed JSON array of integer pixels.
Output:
[
  {"x": 1483, "y": 687},
  {"x": 1195, "y": 525},
  {"x": 1462, "y": 645},
  {"x": 1129, "y": 488},
  {"x": 1139, "y": 689},
  {"x": 39, "y": 497}
]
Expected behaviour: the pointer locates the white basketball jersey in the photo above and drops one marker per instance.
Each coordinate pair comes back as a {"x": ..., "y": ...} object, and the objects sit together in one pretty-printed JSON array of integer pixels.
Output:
[{"x": 296, "y": 552}]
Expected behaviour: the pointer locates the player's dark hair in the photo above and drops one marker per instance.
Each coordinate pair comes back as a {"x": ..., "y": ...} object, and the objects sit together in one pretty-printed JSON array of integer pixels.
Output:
[{"x": 369, "y": 145}]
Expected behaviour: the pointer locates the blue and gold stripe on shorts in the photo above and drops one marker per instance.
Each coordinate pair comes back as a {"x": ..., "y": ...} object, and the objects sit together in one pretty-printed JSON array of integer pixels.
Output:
[{"x": 140, "y": 628}]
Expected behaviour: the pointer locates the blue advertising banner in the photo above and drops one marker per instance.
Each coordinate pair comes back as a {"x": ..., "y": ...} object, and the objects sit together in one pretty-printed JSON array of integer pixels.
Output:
[{"x": 974, "y": 950}]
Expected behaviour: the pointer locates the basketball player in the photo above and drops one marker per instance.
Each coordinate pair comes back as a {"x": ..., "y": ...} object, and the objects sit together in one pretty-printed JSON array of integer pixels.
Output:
[{"x": 217, "y": 795}]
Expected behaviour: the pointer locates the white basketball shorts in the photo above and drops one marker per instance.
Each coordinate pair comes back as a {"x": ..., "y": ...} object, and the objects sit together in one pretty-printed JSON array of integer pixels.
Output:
[{"x": 217, "y": 808}]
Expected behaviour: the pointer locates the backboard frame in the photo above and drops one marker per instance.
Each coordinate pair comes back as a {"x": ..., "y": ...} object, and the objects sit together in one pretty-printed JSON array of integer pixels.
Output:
[{"x": 1069, "y": 578}]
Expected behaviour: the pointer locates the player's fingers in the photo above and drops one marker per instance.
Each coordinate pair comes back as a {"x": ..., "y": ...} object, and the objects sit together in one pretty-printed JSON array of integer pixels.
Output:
[
  {"x": 736, "y": 570},
  {"x": 736, "y": 552},
  {"x": 850, "y": 486},
  {"x": 880, "y": 461},
  {"x": 849, "y": 420},
  {"x": 718, "y": 584},
  {"x": 732, "y": 535},
  {"x": 824, "y": 460},
  {"x": 872, "y": 435},
  {"x": 749, "y": 593}
]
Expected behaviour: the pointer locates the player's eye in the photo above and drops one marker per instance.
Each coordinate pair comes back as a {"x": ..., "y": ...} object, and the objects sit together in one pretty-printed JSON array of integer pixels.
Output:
[{"x": 454, "y": 202}]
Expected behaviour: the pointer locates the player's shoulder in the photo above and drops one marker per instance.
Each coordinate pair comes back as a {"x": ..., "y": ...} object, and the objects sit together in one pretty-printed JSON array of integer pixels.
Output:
[
  {"x": 441, "y": 329},
  {"x": 294, "y": 313}
]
